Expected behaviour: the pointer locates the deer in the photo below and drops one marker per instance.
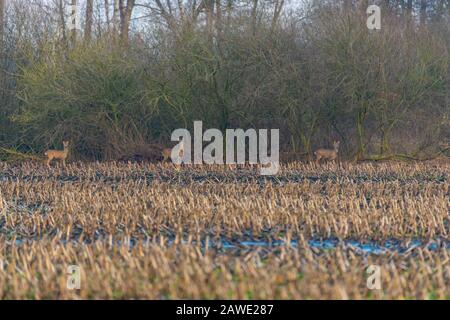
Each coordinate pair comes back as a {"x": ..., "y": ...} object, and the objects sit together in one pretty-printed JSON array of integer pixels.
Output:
[
  {"x": 58, "y": 154},
  {"x": 330, "y": 154},
  {"x": 167, "y": 152}
]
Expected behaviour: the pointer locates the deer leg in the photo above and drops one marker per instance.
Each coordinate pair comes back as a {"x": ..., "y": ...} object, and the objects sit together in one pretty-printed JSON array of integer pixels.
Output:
[{"x": 335, "y": 159}]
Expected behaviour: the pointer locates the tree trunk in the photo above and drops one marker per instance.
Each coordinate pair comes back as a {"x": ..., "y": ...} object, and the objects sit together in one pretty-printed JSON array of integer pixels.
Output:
[
  {"x": 2, "y": 20},
  {"x": 168, "y": 15},
  {"x": 440, "y": 10},
  {"x": 180, "y": 9},
  {"x": 209, "y": 8},
  {"x": 279, "y": 5},
  {"x": 218, "y": 17},
  {"x": 254, "y": 15},
  {"x": 62, "y": 21},
  {"x": 125, "y": 18},
  {"x": 73, "y": 22},
  {"x": 229, "y": 11},
  {"x": 409, "y": 8},
  {"x": 89, "y": 20},
  {"x": 108, "y": 21},
  {"x": 115, "y": 19},
  {"x": 423, "y": 12}
]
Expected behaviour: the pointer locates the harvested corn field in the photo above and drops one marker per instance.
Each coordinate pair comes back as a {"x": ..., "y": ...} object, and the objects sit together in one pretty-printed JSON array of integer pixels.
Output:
[{"x": 163, "y": 232}]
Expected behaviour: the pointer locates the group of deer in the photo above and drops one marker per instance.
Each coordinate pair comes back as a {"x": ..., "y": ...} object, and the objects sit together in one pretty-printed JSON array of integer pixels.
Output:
[
  {"x": 320, "y": 154},
  {"x": 61, "y": 155}
]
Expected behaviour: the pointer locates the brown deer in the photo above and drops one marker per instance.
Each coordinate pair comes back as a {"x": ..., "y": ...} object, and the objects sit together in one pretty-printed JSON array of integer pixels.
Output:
[
  {"x": 329, "y": 154},
  {"x": 167, "y": 152},
  {"x": 58, "y": 154}
]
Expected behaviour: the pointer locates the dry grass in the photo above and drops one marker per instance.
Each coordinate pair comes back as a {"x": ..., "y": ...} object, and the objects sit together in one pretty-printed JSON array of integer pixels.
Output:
[
  {"x": 156, "y": 271},
  {"x": 88, "y": 213}
]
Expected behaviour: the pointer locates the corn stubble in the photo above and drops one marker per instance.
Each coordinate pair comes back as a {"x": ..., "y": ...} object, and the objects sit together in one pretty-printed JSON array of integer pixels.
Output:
[{"x": 157, "y": 231}]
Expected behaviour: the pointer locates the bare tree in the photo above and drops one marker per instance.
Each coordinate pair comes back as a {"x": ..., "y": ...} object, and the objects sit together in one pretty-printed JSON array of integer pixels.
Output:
[
  {"x": 108, "y": 21},
  {"x": 2, "y": 18},
  {"x": 219, "y": 16},
  {"x": 409, "y": 8},
  {"x": 279, "y": 6},
  {"x": 209, "y": 10},
  {"x": 167, "y": 13},
  {"x": 74, "y": 31},
  {"x": 126, "y": 10},
  {"x": 254, "y": 14},
  {"x": 176, "y": 13},
  {"x": 89, "y": 20},
  {"x": 62, "y": 20},
  {"x": 115, "y": 19},
  {"x": 423, "y": 12}
]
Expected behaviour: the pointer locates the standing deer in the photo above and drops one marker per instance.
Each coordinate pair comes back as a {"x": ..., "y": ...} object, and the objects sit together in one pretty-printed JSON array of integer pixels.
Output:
[
  {"x": 329, "y": 154},
  {"x": 58, "y": 154},
  {"x": 167, "y": 152}
]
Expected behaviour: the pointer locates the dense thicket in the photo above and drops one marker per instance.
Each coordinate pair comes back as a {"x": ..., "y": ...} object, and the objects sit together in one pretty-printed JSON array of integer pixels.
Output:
[{"x": 139, "y": 69}]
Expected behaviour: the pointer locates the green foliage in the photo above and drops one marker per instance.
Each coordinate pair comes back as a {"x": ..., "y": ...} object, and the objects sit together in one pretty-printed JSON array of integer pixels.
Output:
[
  {"x": 92, "y": 96},
  {"x": 381, "y": 93}
]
